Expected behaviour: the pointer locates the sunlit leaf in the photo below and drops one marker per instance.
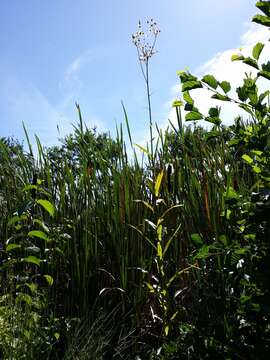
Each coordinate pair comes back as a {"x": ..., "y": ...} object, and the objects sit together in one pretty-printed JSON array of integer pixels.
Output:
[
  {"x": 158, "y": 182},
  {"x": 32, "y": 260},
  {"x": 225, "y": 86},
  {"x": 39, "y": 234},
  {"x": 210, "y": 80},
  {"x": 256, "y": 52},
  {"x": 47, "y": 205},
  {"x": 193, "y": 116},
  {"x": 11, "y": 247},
  {"x": 197, "y": 240},
  {"x": 49, "y": 279}
]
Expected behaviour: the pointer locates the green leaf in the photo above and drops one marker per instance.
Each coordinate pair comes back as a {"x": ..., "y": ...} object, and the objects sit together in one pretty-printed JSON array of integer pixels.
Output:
[
  {"x": 193, "y": 115},
  {"x": 256, "y": 52},
  {"x": 143, "y": 149},
  {"x": 237, "y": 57},
  {"x": 32, "y": 260},
  {"x": 264, "y": 94},
  {"x": 230, "y": 194},
  {"x": 39, "y": 234},
  {"x": 190, "y": 85},
  {"x": 13, "y": 220},
  {"x": 197, "y": 240},
  {"x": 159, "y": 229},
  {"x": 158, "y": 182},
  {"x": 159, "y": 251},
  {"x": 24, "y": 297},
  {"x": 256, "y": 169},
  {"x": 210, "y": 80},
  {"x": 11, "y": 247},
  {"x": 150, "y": 287},
  {"x": 212, "y": 134},
  {"x": 246, "y": 108},
  {"x": 47, "y": 205},
  {"x": 146, "y": 204},
  {"x": 166, "y": 330},
  {"x": 220, "y": 97},
  {"x": 265, "y": 74},
  {"x": 251, "y": 62},
  {"x": 203, "y": 252},
  {"x": 189, "y": 107},
  {"x": 186, "y": 76},
  {"x": 213, "y": 120},
  {"x": 266, "y": 66},
  {"x": 49, "y": 279},
  {"x": 247, "y": 159},
  {"x": 223, "y": 239},
  {"x": 262, "y": 20},
  {"x": 242, "y": 93},
  {"x": 264, "y": 6},
  {"x": 41, "y": 223},
  {"x": 225, "y": 86},
  {"x": 214, "y": 111},
  {"x": 188, "y": 98}
]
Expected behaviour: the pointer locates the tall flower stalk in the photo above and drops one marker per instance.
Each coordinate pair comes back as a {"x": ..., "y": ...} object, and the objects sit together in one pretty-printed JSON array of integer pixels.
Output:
[{"x": 145, "y": 44}]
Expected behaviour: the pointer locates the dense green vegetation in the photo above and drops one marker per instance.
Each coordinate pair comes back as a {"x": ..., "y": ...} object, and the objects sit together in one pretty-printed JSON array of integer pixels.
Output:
[{"x": 159, "y": 256}]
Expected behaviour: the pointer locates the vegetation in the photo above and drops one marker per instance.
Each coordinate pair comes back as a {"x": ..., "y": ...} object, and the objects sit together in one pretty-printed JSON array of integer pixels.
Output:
[{"x": 108, "y": 257}]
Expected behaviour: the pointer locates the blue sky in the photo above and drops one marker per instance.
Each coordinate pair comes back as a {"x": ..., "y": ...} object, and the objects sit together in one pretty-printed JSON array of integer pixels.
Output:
[{"x": 53, "y": 53}]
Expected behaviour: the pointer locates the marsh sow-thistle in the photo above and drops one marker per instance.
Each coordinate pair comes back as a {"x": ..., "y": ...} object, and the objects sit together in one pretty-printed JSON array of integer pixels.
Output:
[{"x": 146, "y": 49}]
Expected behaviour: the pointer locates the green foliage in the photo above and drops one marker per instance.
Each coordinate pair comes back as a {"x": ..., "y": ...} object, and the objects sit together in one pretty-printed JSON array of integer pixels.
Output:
[
  {"x": 24, "y": 263},
  {"x": 175, "y": 246}
]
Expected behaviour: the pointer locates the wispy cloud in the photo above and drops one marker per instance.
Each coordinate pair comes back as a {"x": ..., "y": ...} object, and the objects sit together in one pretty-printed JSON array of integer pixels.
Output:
[
  {"x": 77, "y": 64},
  {"x": 24, "y": 102}
]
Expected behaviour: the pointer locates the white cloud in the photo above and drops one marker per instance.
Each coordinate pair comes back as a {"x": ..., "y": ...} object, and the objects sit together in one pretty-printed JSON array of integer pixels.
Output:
[
  {"x": 24, "y": 102},
  {"x": 223, "y": 68},
  {"x": 73, "y": 68}
]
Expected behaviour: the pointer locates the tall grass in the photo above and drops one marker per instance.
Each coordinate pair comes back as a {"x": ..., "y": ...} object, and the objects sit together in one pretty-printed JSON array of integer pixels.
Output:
[{"x": 104, "y": 204}]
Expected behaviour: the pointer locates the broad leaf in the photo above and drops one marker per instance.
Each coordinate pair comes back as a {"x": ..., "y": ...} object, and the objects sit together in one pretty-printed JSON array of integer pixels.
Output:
[
  {"x": 49, "y": 279},
  {"x": 251, "y": 62},
  {"x": 188, "y": 98},
  {"x": 39, "y": 234},
  {"x": 230, "y": 194},
  {"x": 247, "y": 159},
  {"x": 32, "y": 260},
  {"x": 11, "y": 247},
  {"x": 262, "y": 20},
  {"x": 265, "y": 74},
  {"x": 47, "y": 205},
  {"x": 213, "y": 120},
  {"x": 225, "y": 86},
  {"x": 193, "y": 116},
  {"x": 237, "y": 57},
  {"x": 264, "y": 6},
  {"x": 210, "y": 80},
  {"x": 197, "y": 240},
  {"x": 203, "y": 252},
  {"x": 212, "y": 134},
  {"x": 256, "y": 52},
  {"x": 256, "y": 169},
  {"x": 214, "y": 111},
  {"x": 220, "y": 97},
  {"x": 190, "y": 85}
]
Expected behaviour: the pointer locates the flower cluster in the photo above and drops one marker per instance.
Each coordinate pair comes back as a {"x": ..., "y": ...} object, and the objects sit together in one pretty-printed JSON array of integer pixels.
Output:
[{"x": 139, "y": 39}]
